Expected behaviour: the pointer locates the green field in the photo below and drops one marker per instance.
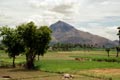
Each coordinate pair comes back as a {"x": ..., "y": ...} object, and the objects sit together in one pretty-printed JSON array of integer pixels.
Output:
[{"x": 91, "y": 65}]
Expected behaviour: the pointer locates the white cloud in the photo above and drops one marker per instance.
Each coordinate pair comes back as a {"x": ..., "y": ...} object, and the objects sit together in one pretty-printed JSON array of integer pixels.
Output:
[
  {"x": 95, "y": 14},
  {"x": 108, "y": 32}
]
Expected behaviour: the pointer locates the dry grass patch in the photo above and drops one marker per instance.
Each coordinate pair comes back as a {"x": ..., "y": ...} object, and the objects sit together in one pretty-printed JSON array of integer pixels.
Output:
[
  {"x": 105, "y": 74},
  {"x": 21, "y": 74},
  {"x": 106, "y": 71}
]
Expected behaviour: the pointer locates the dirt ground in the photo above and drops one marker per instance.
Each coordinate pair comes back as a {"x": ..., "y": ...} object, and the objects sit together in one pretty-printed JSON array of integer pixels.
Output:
[
  {"x": 107, "y": 74},
  {"x": 21, "y": 74},
  {"x": 113, "y": 73},
  {"x": 106, "y": 71}
]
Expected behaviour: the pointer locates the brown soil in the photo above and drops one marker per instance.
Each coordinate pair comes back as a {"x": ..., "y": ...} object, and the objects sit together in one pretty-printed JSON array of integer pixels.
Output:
[
  {"x": 22, "y": 74},
  {"x": 106, "y": 71}
]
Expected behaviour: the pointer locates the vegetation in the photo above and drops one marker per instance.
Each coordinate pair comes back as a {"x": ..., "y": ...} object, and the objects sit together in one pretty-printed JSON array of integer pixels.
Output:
[
  {"x": 26, "y": 38},
  {"x": 31, "y": 41},
  {"x": 72, "y": 65},
  {"x": 108, "y": 51},
  {"x": 36, "y": 41},
  {"x": 118, "y": 47},
  {"x": 73, "y": 46},
  {"x": 119, "y": 34},
  {"x": 65, "y": 62},
  {"x": 88, "y": 60},
  {"x": 12, "y": 41},
  {"x": 118, "y": 50}
]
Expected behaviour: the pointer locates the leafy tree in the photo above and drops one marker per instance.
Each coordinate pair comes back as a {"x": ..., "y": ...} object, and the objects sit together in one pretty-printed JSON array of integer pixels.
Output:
[
  {"x": 118, "y": 47},
  {"x": 36, "y": 41},
  {"x": 12, "y": 41},
  {"x": 119, "y": 34},
  {"x": 44, "y": 39}
]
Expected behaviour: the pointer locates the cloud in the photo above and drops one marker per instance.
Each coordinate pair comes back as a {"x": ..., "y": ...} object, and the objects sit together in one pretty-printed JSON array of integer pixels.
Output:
[
  {"x": 63, "y": 9},
  {"x": 105, "y": 31},
  {"x": 89, "y": 15}
]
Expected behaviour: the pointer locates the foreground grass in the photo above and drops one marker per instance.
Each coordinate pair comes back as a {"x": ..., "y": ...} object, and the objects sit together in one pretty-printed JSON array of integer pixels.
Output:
[
  {"x": 64, "y": 62},
  {"x": 72, "y": 65},
  {"x": 61, "y": 62}
]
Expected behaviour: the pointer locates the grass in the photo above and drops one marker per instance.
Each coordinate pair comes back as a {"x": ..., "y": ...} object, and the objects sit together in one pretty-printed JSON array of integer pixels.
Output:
[
  {"x": 61, "y": 62},
  {"x": 64, "y": 62},
  {"x": 99, "y": 58},
  {"x": 72, "y": 65}
]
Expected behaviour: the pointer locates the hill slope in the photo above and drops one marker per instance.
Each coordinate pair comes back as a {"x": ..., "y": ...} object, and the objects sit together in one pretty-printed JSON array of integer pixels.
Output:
[{"x": 65, "y": 33}]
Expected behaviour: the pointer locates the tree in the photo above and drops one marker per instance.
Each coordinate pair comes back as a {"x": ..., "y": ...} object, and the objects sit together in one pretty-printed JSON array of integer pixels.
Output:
[
  {"x": 108, "y": 51},
  {"x": 44, "y": 39},
  {"x": 119, "y": 34},
  {"x": 118, "y": 50},
  {"x": 12, "y": 41},
  {"x": 36, "y": 41},
  {"x": 118, "y": 47}
]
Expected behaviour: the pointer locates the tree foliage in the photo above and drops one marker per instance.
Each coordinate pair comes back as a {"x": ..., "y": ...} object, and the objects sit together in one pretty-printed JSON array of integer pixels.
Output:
[
  {"x": 12, "y": 41},
  {"x": 44, "y": 37},
  {"x": 36, "y": 41},
  {"x": 26, "y": 38}
]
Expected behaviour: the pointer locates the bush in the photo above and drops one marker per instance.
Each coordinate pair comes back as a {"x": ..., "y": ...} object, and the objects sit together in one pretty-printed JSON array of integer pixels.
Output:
[
  {"x": 106, "y": 59},
  {"x": 98, "y": 58}
]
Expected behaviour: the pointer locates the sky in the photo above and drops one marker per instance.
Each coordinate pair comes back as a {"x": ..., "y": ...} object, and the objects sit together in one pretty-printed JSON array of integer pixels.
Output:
[{"x": 99, "y": 17}]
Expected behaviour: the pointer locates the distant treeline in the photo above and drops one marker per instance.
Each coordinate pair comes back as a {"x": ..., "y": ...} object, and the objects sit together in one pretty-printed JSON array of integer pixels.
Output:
[{"x": 70, "y": 46}]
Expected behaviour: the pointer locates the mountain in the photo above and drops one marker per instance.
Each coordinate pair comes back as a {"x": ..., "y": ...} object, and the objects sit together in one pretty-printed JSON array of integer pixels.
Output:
[
  {"x": 66, "y": 33},
  {"x": 116, "y": 42}
]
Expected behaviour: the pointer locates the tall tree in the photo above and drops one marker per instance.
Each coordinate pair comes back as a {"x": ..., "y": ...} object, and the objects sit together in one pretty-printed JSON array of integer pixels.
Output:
[
  {"x": 118, "y": 47},
  {"x": 36, "y": 41},
  {"x": 119, "y": 34},
  {"x": 44, "y": 39},
  {"x": 118, "y": 50},
  {"x": 12, "y": 41}
]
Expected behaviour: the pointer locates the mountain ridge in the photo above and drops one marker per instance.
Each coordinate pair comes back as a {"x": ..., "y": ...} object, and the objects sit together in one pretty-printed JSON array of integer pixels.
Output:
[{"x": 66, "y": 33}]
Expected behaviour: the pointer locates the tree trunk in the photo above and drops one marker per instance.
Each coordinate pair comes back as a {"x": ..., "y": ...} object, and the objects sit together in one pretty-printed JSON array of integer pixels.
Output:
[
  {"x": 117, "y": 49},
  {"x": 30, "y": 56},
  {"x": 13, "y": 62},
  {"x": 119, "y": 39},
  {"x": 38, "y": 57},
  {"x": 30, "y": 64},
  {"x": 117, "y": 53},
  {"x": 108, "y": 53}
]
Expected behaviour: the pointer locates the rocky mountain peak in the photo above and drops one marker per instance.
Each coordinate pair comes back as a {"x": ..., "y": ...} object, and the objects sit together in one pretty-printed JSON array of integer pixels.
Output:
[{"x": 61, "y": 26}]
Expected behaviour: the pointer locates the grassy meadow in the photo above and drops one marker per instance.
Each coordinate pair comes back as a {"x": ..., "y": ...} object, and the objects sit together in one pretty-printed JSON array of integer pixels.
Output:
[{"x": 84, "y": 65}]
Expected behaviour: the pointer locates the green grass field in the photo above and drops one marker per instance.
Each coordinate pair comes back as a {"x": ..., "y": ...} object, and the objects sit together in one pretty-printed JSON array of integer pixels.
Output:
[{"x": 64, "y": 62}]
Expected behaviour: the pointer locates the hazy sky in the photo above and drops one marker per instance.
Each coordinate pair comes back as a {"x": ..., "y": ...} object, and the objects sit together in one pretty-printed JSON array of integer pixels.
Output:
[{"x": 101, "y": 17}]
